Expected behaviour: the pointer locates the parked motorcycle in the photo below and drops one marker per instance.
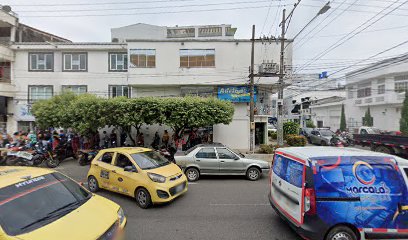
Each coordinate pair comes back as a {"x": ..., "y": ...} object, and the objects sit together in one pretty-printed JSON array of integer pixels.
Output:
[
  {"x": 336, "y": 141},
  {"x": 85, "y": 157},
  {"x": 27, "y": 156},
  {"x": 64, "y": 150}
]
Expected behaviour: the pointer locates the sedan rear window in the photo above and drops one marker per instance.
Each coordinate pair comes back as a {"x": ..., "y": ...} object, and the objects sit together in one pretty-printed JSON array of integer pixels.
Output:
[{"x": 36, "y": 202}]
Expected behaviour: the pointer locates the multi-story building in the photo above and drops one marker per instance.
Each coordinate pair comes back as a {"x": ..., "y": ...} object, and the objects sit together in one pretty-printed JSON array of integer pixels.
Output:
[
  {"x": 145, "y": 60},
  {"x": 14, "y": 32},
  {"x": 380, "y": 87}
]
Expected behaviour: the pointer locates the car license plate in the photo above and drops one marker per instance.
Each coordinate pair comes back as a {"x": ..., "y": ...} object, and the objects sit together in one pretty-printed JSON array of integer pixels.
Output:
[
  {"x": 179, "y": 188},
  {"x": 25, "y": 155}
]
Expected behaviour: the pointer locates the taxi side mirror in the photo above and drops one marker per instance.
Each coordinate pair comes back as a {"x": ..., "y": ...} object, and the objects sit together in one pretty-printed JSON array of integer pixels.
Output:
[{"x": 130, "y": 169}]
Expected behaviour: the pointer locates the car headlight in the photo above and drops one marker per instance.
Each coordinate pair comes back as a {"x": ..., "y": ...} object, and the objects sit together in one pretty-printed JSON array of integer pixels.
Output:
[
  {"x": 121, "y": 215},
  {"x": 156, "y": 177}
]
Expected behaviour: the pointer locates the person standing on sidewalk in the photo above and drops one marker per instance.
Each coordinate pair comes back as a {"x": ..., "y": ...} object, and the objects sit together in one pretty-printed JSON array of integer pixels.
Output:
[{"x": 166, "y": 138}]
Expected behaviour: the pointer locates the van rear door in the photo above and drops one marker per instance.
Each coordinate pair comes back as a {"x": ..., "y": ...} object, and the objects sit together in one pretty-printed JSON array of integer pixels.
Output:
[{"x": 287, "y": 188}]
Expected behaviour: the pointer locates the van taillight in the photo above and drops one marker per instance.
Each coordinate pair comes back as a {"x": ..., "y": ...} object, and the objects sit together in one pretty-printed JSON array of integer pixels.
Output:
[{"x": 310, "y": 201}]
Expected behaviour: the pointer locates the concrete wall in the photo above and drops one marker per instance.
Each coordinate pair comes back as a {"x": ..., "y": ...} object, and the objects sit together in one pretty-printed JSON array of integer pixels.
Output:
[
  {"x": 236, "y": 134},
  {"x": 328, "y": 113}
]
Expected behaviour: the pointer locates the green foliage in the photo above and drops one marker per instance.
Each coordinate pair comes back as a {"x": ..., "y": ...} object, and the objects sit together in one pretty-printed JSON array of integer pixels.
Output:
[
  {"x": 51, "y": 113},
  {"x": 181, "y": 113},
  {"x": 296, "y": 140},
  {"x": 343, "y": 125},
  {"x": 290, "y": 128},
  {"x": 310, "y": 124},
  {"x": 273, "y": 135},
  {"x": 367, "y": 119},
  {"x": 268, "y": 149},
  {"x": 87, "y": 113},
  {"x": 404, "y": 116}
]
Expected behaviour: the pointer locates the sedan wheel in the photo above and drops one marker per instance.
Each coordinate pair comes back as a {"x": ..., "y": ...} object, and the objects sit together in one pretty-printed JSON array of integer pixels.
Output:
[
  {"x": 143, "y": 198},
  {"x": 93, "y": 184},
  {"x": 192, "y": 174},
  {"x": 253, "y": 174}
]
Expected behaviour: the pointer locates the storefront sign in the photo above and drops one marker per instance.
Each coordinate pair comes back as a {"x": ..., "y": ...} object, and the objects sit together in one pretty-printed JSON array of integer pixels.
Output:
[{"x": 236, "y": 93}]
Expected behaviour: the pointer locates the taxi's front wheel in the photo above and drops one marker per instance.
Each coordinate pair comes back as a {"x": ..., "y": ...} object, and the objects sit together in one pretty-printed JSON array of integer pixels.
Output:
[
  {"x": 143, "y": 198},
  {"x": 93, "y": 184}
]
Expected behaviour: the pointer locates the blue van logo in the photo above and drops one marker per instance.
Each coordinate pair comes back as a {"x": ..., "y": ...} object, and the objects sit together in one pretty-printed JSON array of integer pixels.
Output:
[{"x": 364, "y": 172}]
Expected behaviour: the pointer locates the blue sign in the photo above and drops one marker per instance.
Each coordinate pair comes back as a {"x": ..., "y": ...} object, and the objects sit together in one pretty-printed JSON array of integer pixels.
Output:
[
  {"x": 236, "y": 93},
  {"x": 323, "y": 75}
]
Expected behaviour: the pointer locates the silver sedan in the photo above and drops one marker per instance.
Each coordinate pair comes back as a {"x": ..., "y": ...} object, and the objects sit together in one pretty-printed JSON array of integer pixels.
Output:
[{"x": 217, "y": 159}]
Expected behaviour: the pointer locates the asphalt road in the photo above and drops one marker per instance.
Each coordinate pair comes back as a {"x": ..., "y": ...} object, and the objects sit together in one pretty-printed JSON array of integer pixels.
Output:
[{"x": 213, "y": 208}]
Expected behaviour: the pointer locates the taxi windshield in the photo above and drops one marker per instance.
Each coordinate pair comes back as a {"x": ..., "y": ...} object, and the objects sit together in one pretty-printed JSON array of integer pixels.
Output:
[
  {"x": 149, "y": 160},
  {"x": 36, "y": 202}
]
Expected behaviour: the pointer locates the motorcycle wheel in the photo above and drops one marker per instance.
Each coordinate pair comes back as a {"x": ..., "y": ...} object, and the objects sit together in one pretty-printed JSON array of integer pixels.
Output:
[
  {"x": 52, "y": 162},
  {"x": 82, "y": 160}
]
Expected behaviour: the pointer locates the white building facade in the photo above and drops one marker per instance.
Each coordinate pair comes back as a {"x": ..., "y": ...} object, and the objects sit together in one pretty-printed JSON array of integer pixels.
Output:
[
  {"x": 380, "y": 87},
  {"x": 155, "y": 61}
]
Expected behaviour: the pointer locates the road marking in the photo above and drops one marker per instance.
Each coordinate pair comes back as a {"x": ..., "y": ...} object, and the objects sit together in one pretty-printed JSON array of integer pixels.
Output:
[
  {"x": 192, "y": 183},
  {"x": 238, "y": 204}
]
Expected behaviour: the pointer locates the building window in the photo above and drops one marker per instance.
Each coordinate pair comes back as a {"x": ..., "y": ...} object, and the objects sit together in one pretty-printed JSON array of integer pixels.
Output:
[
  {"x": 197, "y": 58},
  {"x": 181, "y": 32},
  {"x": 77, "y": 89},
  {"x": 381, "y": 89},
  {"x": 350, "y": 92},
  {"x": 119, "y": 91},
  {"x": 401, "y": 83},
  {"x": 118, "y": 62},
  {"x": 364, "y": 90},
  {"x": 36, "y": 93},
  {"x": 41, "y": 61},
  {"x": 75, "y": 62},
  {"x": 210, "y": 32},
  {"x": 143, "y": 58}
]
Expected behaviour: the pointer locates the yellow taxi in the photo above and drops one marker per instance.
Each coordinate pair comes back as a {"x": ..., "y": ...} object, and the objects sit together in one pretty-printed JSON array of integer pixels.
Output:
[
  {"x": 42, "y": 204},
  {"x": 137, "y": 172}
]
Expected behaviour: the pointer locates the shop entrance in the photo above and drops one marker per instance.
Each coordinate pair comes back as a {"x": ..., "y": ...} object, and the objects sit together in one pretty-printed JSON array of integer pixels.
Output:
[{"x": 260, "y": 133}]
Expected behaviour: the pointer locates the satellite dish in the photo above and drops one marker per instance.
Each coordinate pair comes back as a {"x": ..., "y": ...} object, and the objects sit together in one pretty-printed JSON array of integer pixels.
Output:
[{"x": 6, "y": 8}]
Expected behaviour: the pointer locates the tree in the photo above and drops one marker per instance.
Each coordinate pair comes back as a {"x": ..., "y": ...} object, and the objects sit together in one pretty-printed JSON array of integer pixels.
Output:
[
  {"x": 367, "y": 119},
  {"x": 88, "y": 113},
  {"x": 310, "y": 124},
  {"x": 404, "y": 116},
  {"x": 52, "y": 112},
  {"x": 343, "y": 125},
  {"x": 188, "y": 112},
  {"x": 127, "y": 113}
]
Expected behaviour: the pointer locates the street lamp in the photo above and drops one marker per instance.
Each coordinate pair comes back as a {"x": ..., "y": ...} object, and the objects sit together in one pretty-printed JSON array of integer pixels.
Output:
[{"x": 322, "y": 11}]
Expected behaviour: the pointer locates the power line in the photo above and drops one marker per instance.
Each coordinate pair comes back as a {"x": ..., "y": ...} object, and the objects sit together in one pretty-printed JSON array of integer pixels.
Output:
[
  {"x": 267, "y": 16},
  {"x": 143, "y": 13},
  {"x": 338, "y": 15},
  {"x": 128, "y": 8},
  {"x": 354, "y": 33}
]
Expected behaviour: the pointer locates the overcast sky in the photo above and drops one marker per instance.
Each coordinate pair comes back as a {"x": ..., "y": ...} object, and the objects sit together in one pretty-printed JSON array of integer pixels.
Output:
[{"x": 343, "y": 18}]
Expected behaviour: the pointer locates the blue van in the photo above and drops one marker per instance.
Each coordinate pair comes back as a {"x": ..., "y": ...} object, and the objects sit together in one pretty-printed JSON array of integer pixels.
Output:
[{"x": 330, "y": 193}]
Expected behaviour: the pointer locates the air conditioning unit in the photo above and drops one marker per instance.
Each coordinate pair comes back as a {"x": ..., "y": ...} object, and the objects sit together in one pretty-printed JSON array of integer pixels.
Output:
[{"x": 269, "y": 68}]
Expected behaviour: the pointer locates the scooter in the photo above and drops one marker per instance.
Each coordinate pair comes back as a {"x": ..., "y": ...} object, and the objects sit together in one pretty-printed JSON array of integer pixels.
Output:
[{"x": 64, "y": 150}]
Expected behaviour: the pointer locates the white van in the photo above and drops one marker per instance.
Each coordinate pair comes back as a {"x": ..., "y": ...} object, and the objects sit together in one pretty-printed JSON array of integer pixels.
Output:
[{"x": 332, "y": 193}]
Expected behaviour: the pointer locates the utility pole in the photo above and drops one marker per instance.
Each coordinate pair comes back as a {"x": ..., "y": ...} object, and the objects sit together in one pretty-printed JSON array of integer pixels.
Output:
[
  {"x": 280, "y": 82},
  {"x": 251, "y": 102}
]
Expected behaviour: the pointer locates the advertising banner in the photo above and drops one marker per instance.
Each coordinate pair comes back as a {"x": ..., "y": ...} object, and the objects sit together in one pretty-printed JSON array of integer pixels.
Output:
[{"x": 235, "y": 93}]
